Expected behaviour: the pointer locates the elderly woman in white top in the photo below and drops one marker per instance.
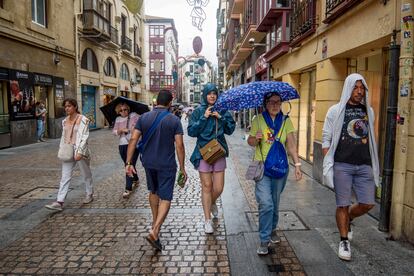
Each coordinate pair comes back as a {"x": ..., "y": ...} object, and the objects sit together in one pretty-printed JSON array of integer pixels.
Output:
[
  {"x": 123, "y": 127},
  {"x": 75, "y": 131}
]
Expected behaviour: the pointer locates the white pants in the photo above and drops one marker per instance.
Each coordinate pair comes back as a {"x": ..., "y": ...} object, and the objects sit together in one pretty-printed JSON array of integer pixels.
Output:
[{"x": 67, "y": 170}]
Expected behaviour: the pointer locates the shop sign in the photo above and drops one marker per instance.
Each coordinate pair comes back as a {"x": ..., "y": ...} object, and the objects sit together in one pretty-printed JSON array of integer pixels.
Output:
[
  {"x": 21, "y": 95},
  {"x": 4, "y": 74},
  {"x": 260, "y": 65},
  {"x": 40, "y": 79},
  {"x": 109, "y": 91},
  {"x": 249, "y": 73},
  {"x": 59, "y": 96}
]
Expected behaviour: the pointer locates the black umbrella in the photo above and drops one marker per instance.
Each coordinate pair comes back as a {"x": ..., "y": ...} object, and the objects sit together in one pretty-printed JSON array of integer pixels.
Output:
[{"x": 134, "y": 106}]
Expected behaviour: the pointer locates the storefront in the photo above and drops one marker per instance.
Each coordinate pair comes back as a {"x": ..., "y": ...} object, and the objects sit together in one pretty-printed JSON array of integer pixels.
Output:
[{"x": 89, "y": 104}]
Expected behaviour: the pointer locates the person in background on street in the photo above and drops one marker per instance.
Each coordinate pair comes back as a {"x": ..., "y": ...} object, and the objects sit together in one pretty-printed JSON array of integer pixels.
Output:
[
  {"x": 40, "y": 113},
  {"x": 351, "y": 157},
  {"x": 123, "y": 127},
  {"x": 206, "y": 125},
  {"x": 158, "y": 159},
  {"x": 75, "y": 131},
  {"x": 268, "y": 189}
]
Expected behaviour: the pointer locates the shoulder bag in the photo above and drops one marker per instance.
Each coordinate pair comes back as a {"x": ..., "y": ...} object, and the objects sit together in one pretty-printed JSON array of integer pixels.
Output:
[
  {"x": 255, "y": 169},
  {"x": 66, "y": 151},
  {"x": 213, "y": 150}
]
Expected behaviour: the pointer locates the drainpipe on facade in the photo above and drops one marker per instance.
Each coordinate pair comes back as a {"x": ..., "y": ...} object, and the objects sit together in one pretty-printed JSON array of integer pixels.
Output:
[
  {"x": 403, "y": 118},
  {"x": 77, "y": 50},
  {"x": 387, "y": 171}
]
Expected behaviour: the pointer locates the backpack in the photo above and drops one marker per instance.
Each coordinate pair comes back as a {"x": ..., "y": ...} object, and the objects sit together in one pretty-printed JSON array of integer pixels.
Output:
[{"x": 276, "y": 164}]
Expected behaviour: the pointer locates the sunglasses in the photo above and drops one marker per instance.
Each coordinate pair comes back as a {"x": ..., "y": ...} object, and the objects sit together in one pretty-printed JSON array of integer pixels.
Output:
[{"x": 122, "y": 110}]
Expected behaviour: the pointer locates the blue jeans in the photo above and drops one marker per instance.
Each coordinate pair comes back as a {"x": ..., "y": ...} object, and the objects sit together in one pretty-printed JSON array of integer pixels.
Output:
[
  {"x": 39, "y": 129},
  {"x": 268, "y": 192}
]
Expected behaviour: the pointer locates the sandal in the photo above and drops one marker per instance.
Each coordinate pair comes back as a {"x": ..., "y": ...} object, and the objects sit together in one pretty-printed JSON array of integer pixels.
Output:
[
  {"x": 154, "y": 243},
  {"x": 126, "y": 194}
]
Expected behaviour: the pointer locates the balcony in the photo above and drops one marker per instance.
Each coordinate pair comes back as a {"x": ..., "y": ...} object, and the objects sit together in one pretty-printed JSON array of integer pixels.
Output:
[
  {"x": 114, "y": 35},
  {"x": 126, "y": 43},
  {"x": 137, "y": 51},
  {"x": 236, "y": 8},
  {"x": 303, "y": 20},
  {"x": 269, "y": 11},
  {"x": 94, "y": 23},
  {"x": 336, "y": 8}
]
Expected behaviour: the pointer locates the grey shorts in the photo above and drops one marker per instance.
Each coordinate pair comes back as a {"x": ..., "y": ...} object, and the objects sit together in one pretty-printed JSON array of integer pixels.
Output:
[{"x": 348, "y": 177}]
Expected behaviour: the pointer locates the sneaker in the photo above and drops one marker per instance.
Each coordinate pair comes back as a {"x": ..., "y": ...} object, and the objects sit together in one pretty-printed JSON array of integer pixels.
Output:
[
  {"x": 38, "y": 141},
  {"x": 126, "y": 194},
  {"x": 208, "y": 227},
  {"x": 344, "y": 251},
  {"x": 88, "y": 199},
  {"x": 274, "y": 238},
  {"x": 56, "y": 206},
  {"x": 42, "y": 140},
  {"x": 263, "y": 248},
  {"x": 214, "y": 210}
]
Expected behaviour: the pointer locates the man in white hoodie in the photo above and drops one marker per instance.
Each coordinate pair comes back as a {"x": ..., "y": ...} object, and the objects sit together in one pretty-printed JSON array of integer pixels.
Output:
[{"x": 351, "y": 157}]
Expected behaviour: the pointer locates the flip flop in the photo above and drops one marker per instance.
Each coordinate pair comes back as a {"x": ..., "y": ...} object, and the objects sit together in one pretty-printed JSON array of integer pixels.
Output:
[{"x": 154, "y": 243}]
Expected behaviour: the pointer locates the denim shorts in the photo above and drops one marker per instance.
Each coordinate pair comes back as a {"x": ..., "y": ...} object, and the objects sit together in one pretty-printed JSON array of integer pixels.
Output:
[
  {"x": 161, "y": 182},
  {"x": 218, "y": 166},
  {"x": 348, "y": 177}
]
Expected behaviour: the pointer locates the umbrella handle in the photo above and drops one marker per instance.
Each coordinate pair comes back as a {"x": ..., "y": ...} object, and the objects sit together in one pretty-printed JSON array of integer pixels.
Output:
[{"x": 290, "y": 107}]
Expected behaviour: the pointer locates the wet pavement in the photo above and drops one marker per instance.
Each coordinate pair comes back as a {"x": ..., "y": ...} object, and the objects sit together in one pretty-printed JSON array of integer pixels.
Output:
[{"x": 107, "y": 236}]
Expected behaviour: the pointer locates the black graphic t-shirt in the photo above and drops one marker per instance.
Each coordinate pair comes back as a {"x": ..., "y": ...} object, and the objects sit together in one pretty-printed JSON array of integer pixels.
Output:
[{"x": 353, "y": 146}]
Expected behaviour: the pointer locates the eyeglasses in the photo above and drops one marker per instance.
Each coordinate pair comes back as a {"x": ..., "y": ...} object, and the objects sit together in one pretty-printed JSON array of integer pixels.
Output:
[
  {"x": 274, "y": 102},
  {"x": 122, "y": 110}
]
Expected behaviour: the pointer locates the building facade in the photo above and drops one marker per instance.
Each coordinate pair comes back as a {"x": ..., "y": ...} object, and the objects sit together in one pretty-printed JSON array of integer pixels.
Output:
[
  {"x": 37, "y": 63},
  {"x": 194, "y": 72},
  {"x": 110, "y": 61},
  {"x": 314, "y": 45},
  {"x": 161, "y": 53}
]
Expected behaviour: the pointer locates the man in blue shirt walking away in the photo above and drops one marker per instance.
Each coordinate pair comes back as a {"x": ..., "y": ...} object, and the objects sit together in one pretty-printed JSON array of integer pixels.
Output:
[{"x": 162, "y": 135}]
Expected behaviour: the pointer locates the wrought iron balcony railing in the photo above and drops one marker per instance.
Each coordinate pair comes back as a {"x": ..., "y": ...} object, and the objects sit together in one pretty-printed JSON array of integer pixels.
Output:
[
  {"x": 137, "y": 50},
  {"x": 336, "y": 8},
  {"x": 114, "y": 35},
  {"x": 302, "y": 19},
  {"x": 126, "y": 43}
]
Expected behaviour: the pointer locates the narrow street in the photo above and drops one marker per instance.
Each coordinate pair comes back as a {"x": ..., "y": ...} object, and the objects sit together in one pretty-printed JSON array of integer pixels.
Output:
[{"x": 108, "y": 235}]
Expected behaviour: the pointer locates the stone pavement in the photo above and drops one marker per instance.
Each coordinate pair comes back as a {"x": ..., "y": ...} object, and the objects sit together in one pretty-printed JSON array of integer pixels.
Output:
[{"x": 107, "y": 236}]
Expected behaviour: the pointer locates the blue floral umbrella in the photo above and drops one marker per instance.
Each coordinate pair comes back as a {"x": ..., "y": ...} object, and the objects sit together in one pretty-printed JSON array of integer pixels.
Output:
[{"x": 250, "y": 95}]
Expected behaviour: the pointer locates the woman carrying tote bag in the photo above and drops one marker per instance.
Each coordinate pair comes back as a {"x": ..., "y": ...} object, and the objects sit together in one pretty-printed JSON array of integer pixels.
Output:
[
  {"x": 73, "y": 149},
  {"x": 207, "y": 125}
]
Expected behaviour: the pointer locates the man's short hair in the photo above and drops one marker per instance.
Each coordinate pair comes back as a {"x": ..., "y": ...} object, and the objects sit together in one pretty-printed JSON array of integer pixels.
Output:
[{"x": 164, "y": 97}]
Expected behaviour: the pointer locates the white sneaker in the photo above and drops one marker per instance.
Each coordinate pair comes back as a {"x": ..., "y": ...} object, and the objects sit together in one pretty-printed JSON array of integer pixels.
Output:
[
  {"x": 55, "y": 206},
  {"x": 214, "y": 210},
  {"x": 208, "y": 227},
  {"x": 344, "y": 251},
  {"x": 88, "y": 199}
]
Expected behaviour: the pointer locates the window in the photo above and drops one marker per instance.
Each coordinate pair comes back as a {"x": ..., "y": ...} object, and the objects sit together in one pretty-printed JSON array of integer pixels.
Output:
[
  {"x": 1, "y": 4},
  {"x": 137, "y": 76},
  {"x": 124, "y": 74},
  {"x": 109, "y": 68},
  {"x": 39, "y": 12},
  {"x": 156, "y": 30},
  {"x": 89, "y": 61}
]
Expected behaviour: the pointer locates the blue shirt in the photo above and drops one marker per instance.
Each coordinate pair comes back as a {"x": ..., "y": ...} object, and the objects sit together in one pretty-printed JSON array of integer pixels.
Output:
[{"x": 159, "y": 152}]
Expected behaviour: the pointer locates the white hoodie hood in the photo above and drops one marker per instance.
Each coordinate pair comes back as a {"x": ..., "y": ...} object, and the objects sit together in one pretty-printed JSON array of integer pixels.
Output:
[{"x": 332, "y": 129}]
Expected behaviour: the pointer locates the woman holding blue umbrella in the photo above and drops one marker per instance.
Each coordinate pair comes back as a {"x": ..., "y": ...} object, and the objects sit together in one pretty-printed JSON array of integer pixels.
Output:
[
  {"x": 206, "y": 125},
  {"x": 266, "y": 128}
]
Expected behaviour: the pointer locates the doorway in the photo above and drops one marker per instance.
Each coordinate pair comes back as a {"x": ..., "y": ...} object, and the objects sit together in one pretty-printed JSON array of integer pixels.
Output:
[{"x": 41, "y": 95}]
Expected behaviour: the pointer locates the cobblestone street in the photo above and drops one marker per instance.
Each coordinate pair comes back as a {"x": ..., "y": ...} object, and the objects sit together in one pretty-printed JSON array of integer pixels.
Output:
[{"x": 108, "y": 235}]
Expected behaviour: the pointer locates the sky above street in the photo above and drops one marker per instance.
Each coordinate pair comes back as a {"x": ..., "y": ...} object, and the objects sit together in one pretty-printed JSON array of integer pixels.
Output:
[{"x": 180, "y": 11}]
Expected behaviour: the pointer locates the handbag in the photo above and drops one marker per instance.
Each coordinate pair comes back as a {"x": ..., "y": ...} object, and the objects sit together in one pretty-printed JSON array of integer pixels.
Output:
[
  {"x": 213, "y": 150},
  {"x": 255, "y": 169},
  {"x": 66, "y": 151}
]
